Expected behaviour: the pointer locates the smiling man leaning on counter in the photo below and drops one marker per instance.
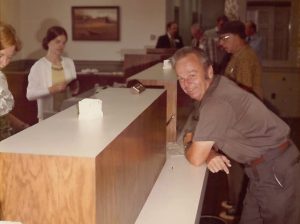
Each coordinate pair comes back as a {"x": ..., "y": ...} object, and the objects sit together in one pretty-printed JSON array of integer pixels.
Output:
[{"x": 235, "y": 125}]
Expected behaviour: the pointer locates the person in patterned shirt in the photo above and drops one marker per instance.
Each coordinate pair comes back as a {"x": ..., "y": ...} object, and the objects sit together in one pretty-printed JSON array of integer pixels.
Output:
[
  {"x": 244, "y": 66},
  {"x": 9, "y": 44}
]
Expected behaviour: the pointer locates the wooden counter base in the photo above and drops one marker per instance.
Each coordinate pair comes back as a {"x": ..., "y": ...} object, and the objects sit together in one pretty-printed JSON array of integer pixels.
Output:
[{"x": 111, "y": 187}]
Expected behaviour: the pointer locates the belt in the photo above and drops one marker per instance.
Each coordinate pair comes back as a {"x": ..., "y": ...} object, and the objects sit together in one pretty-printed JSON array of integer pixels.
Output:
[{"x": 279, "y": 150}]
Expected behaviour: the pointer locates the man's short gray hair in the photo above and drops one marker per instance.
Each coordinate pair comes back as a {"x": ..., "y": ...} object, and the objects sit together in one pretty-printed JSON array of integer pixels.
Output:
[{"x": 185, "y": 51}]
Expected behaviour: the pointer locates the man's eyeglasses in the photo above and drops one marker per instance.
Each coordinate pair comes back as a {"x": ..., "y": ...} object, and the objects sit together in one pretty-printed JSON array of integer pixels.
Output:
[{"x": 224, "y": 37}]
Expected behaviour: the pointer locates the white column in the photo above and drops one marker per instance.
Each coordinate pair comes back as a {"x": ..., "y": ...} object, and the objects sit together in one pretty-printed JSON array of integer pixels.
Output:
[{"x": 185, "y": 20}]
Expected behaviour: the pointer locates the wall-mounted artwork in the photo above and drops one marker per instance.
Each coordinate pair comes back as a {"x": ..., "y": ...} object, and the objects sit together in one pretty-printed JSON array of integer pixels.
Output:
[{"x": 96, "y": 23}]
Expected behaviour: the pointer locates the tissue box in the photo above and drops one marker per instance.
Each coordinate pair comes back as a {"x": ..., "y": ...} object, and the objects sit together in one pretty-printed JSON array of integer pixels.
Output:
[
  {"x": 167, "y": 64},
  {"x": 90, "y": 109}
]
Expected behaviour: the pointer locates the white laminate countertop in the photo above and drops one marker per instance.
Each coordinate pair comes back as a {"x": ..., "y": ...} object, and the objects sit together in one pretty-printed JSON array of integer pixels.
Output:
[
  {"x": 64, "y": 135},
  {"x": 156, "y": 72},
  {"x": 177, "y": 195}
]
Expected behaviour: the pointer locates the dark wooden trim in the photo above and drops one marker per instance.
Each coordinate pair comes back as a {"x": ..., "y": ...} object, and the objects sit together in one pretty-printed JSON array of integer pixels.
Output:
[{"x": 267, "y": 3}]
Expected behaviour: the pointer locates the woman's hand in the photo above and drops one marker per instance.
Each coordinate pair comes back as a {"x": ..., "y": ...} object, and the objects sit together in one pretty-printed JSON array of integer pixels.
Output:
[
  {"x": 74, "y": 87},
  {"x": 59, "y": 87},
  {"x": 187, "y": 138},
  {"x": 216, "y": 162},
  {"x": 16, "y": 123}
]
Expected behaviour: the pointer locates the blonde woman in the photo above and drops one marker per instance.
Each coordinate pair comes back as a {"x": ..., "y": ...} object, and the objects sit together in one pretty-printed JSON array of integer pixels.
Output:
[{"x": 9, "y": 45}]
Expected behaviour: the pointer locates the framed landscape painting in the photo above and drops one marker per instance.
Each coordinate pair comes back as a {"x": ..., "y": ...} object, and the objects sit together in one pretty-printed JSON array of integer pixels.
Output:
[{"x": 96, "y": 23}]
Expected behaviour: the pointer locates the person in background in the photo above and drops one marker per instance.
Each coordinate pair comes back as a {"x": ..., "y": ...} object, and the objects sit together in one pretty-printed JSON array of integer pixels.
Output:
[
  {"x": 253, "y": 38},
  {"x": 244, "y": 66},
  {"x": 198, "y": 39},
  {"x": 171, "y": 39},
  {"x": 9, "y": 45},
  {"x": 50, "y": 78},
  {"x": 216, "y": 53},
  {"x": 235, "y": 125},
  {"x": 245, "y": 69}
]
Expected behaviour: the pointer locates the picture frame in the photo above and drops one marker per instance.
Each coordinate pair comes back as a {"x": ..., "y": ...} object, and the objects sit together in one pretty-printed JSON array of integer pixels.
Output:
[{"x": 96, "y": 23}]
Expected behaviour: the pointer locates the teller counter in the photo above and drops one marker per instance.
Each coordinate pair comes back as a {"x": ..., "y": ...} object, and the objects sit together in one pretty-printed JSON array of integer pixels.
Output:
[
  {"x": 178, "y": 194},
  {"x": 65, "y": 170},
  {"x": 179, "y": 105}
]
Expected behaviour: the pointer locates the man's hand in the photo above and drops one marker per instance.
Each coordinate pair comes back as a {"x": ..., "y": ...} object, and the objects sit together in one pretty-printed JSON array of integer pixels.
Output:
[
  {"x": 198, "y": 152},
  {"x": 216, "y": 162},
  {"x": 187, "y": 138}
]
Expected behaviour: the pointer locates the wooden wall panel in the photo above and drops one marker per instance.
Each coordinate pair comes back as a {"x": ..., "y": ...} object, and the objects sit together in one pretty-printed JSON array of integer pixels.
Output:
[
  {"x": 111, "y": 187},
  {"x": 130, "y": 165},
  {"x": 47, "y": 189},
  {"x": 140, "y": 60}
]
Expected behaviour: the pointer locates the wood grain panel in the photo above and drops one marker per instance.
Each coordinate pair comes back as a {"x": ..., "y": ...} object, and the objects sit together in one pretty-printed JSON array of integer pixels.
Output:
[
  {"x": 109, "y": 188},
  {"x": 128, "y": 168},
  {"x": 133, "y": 60},
  {"x": 47, "y": 189},
  {"x": 163, "y": 52}
]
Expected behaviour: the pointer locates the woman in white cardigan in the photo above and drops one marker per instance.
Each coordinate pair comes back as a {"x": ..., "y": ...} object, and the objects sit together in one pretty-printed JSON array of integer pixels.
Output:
[{"x": 49, "y": 80}]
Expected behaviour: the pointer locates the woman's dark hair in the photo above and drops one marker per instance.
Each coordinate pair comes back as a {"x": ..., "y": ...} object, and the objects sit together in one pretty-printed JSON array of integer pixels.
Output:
[{"x": 52, "y": 33}]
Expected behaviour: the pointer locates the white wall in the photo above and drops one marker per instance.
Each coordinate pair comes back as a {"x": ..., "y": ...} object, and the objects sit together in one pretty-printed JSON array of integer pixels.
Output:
[
  {"x": 6, "y": 7},
  {"x": 139, "y": 19}
]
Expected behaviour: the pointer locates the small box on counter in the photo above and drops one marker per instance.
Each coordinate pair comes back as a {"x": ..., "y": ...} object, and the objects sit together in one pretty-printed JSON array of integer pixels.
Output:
[{"x": 90, "y": 109}]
